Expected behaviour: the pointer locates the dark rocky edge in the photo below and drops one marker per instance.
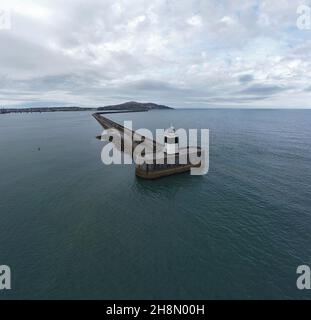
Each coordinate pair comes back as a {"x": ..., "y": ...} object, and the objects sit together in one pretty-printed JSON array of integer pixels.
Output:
[{"x": 44, "y": 109}]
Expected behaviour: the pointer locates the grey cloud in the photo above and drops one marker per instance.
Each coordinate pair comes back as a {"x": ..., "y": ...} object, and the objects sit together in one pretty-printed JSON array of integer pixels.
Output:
[
  {"x": 150, "y": 85},
  {"x": 100, "y": 52},
  {"x": 261, "y": 89},
  {"x": 228, "y": 100},
  {"x": 245, "y": 78}
]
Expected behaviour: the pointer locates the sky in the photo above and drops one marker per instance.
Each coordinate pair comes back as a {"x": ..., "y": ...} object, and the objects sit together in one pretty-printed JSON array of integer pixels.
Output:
[{"x": 181, "y": 53}]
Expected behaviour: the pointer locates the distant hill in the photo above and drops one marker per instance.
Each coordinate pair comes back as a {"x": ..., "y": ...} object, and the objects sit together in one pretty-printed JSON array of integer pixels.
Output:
[{"x": 135, "y": 106}]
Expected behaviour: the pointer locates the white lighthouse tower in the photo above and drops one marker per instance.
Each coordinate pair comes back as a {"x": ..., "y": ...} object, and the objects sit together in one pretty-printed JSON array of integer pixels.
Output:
[{"x": 171, "y": 141}]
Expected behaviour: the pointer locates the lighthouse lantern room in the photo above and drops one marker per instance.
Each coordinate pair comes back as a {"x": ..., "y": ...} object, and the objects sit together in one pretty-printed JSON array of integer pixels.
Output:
[{"x": 171, "y": 141}]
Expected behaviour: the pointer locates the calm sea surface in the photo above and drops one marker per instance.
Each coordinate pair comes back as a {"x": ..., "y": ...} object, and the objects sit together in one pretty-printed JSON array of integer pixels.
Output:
[{"x": 71, "y": 227}]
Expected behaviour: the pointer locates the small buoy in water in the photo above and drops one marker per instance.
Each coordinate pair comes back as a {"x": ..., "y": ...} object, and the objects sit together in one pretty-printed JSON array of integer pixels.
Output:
[{"x": 39, "y": 149}]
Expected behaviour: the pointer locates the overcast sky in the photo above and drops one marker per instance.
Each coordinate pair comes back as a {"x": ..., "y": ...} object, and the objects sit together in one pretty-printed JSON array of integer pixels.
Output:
[{"x": 183, "y": 53}]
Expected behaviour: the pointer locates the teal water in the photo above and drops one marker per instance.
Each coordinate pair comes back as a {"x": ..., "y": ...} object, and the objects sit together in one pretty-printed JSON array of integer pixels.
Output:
[{"x": 71, "y": 227}]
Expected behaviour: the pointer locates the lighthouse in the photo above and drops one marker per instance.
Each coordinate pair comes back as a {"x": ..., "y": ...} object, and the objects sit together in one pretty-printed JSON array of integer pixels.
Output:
[{"x": 171, "y": 141}]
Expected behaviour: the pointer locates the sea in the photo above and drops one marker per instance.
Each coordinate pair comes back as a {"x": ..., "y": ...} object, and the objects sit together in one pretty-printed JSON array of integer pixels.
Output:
[{"x": 72, "y": 227}]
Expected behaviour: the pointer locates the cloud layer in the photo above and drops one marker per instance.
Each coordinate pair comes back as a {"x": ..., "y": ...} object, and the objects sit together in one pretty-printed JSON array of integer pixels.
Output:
[{"x": 183, "y": 53}]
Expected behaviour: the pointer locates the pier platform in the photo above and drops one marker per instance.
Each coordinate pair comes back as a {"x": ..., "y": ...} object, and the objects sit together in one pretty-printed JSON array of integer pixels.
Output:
[{"x": 154, "y": 163}]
